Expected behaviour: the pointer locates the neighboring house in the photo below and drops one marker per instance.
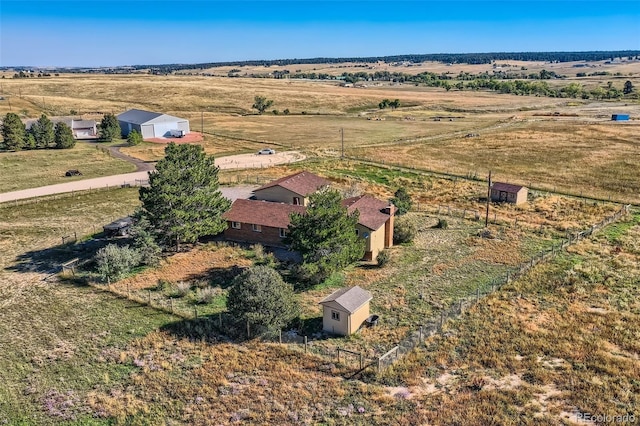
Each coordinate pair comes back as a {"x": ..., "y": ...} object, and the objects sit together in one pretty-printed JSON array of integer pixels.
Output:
[
  {"x": 294, "y": 189},
  {"x": 345, "y": 310},
  {"x": 81, "y": 129},
  {"x": 264, "y": 222},
  {"x": 84, "y": 129},
  {"x": 508, "y": 193},
  {"x": 375, "y": 224},
  {"x": 150, "y": 124}
]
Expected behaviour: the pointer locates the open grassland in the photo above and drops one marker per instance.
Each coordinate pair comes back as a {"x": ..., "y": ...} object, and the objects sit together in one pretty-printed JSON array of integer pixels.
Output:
[
  {"x": 30, "y": 169},
  {"x": 567, "y": 144},
  {"x": 551, "y": 347}
]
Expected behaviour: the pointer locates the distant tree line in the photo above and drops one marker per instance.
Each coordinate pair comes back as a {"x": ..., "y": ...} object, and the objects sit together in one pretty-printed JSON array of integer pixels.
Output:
[{"x": 448, "y": 58}]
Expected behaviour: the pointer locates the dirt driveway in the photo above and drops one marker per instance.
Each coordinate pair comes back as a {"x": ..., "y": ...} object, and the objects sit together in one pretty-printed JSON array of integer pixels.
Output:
[{"x": 241, "y": 161}]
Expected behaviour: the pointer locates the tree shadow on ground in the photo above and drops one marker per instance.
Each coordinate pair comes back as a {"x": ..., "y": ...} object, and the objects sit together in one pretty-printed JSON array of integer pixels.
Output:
[
  {"x": 50, "y": 260},
  {"x": 217, "y": 276}
]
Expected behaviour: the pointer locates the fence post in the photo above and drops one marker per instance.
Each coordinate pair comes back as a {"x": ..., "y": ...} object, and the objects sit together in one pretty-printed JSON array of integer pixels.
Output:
[
  {"x": 248, "y": 331},
  {"x": 477, "y": 294},
  {"x": 149, "y": 297},
  {"x": 338, "y": 354},
  {"x": 361, "y": 360},
  {"x": 280, "y": 336},
  {"x": 171, "y": 304},
  {"x": 128, "y": 291},
  {"x": 220, "y": 320},
  {"x": 195, "y": 312},
  {"x": 305, "y": 344},
  {"x": 420, "y": 330}
]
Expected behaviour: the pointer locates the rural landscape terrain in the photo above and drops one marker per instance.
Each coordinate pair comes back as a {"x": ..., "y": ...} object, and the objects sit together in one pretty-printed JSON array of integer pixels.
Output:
[{"x": 530, "y": 318}]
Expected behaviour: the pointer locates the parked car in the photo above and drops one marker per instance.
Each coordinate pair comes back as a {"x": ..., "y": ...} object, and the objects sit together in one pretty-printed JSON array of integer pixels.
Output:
[{"x": 266, "y": 151}]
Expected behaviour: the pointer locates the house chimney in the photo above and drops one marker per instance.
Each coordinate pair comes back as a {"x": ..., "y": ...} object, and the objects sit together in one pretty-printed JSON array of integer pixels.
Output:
[{"x": 388, "y": 225}]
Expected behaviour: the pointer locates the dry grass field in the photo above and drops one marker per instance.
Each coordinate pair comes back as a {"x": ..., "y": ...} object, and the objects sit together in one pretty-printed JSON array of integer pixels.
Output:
[
  {"x": 569, "y": 144},
  {"x": 561, "y": 340}
]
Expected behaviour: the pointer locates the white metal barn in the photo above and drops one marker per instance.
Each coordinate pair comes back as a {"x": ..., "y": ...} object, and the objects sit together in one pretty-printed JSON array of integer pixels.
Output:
[{"x": 151, "y": 124}]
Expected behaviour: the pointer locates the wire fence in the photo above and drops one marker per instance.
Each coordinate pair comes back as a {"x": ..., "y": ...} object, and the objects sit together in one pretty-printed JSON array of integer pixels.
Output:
[{"x": 201, "y": 323}]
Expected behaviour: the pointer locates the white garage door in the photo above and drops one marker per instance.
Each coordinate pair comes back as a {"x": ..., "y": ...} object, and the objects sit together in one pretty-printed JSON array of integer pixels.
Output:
[{"x": 163, "y": 129}]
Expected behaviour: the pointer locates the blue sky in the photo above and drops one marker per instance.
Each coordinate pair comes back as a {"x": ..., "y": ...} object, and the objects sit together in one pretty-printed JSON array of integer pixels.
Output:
[{"x": 109, "y": 33}]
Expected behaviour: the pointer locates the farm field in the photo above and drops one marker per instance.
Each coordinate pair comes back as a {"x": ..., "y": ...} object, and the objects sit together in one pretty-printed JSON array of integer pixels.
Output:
[
  {"x": 563, "y": 143},
  {"x": 30, "y": 169}
]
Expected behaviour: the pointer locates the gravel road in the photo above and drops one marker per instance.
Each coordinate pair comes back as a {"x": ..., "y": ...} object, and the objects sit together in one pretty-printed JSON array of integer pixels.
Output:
[{"x": 242, "y": 161}]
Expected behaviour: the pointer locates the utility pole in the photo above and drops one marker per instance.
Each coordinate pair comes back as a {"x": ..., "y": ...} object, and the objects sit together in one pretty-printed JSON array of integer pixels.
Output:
[
  {"x": 486, "y": 218},
  {"x": 342, "y": 137}
]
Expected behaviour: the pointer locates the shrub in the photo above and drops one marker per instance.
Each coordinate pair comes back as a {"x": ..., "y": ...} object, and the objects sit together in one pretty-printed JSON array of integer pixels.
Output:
[
  {"x": 404, "y": 230},
  {"x": 181, "y": 289},
  {"x": 206, "y": 295},
  {"x": 115, "y": 262},
  {"x": 442, "y": 224},
  {"x": 383, "y": 257},
  {"x": 260, "y": 297}
]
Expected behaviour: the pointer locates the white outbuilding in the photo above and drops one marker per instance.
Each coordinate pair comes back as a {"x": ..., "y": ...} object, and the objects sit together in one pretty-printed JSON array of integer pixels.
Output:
[{"x": 151, "y": 124}]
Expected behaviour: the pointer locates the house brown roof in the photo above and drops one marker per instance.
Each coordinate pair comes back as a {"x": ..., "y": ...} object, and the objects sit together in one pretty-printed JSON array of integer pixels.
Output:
[
  {"x": 264, "y": 213},
  {"x": 302, "y": 183},
  {"x": 506, "y": 187},
  {"x": 371, "y": 210},
  {"x": 349, "y": 298}
]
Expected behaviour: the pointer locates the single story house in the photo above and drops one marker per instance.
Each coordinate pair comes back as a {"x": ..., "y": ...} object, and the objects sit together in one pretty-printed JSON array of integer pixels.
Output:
[
  {"x": 258, "y": 221},
  {"x": 375, "y": 224},
  {"x": 150, "y": 124},
  {"x": 508, "y": 193},
  {"x": 81, "y": 129},
  {"x": 345, "y": 310},
  {"x": 294, "y": 189}
]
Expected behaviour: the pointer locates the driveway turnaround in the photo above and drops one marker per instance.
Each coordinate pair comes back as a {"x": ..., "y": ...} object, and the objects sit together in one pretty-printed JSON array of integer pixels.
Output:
[{"x": 232, "y": 162}]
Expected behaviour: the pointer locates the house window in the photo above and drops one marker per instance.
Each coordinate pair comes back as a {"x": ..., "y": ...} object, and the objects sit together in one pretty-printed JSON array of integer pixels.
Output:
[
  {"x": 335, "y": 315},
  {"x": 357, "y": 232},
  {"x": 235, "y": 225},
  {"x": 256, "y": 228},
  {"x": 283, "y": 232},
  {"x": 296, "y": 201}
]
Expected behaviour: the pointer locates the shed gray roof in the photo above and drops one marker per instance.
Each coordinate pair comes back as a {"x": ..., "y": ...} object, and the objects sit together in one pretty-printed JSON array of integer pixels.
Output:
[
  {"x": 349, "y": 298},
  {"x": 139, "y": 116}
]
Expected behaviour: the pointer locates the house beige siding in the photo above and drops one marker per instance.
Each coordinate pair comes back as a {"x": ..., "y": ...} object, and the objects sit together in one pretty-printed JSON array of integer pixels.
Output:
[
  {"x": 279, "y": 194},
  {"x": 518, "y": 197},
  {"x": 348, "y": 323},
  {"x": 374, "y": 243}
]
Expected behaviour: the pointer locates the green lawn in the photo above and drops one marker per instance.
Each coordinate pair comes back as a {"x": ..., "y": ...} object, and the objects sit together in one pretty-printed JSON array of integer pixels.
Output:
[{"x": 30, "y": 169}]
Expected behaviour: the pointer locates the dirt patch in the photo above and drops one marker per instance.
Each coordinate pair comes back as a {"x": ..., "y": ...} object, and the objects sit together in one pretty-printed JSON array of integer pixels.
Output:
[{"x": 194, "y": 265}]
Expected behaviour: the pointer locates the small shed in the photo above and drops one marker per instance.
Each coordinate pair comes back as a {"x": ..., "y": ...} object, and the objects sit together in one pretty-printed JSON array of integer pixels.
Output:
[
  {"x": 508, "y": 193},
  {"x": 345, "y": 310},
  {"x": 118, "y": 228},
  {"x": 620, "y": 117}
]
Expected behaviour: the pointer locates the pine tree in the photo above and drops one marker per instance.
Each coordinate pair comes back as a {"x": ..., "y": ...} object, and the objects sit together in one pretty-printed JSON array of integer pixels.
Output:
[
  {"x": 64, "y": 136},
  {"x": 134, "y": 138},
  {"x": 402, "y": 200},
  {"x": 109, "y": 128},
  {"x": 43, "y": 132},
  {"x": 325, "y": 235},
  {"x": 183, "y": 201},
  {"x": 13, "y": 132}
]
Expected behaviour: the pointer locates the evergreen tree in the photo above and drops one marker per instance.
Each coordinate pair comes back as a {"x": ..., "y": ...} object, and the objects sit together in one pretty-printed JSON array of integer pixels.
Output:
[
  {"x": 260, "y": 298},
  {"x": 628, "y": 87},
  {"x": 13, "y": 132},
  {"x": 325, "y": 236},
  {"x": 109, "y": 128},
  {"x": 134, "y": 138},
  {"x": 63, "y": 136},
  {"x": 402, "y": 200},
  {"x": 43, "y": 132},
  {"x": 183, "y": 201}
]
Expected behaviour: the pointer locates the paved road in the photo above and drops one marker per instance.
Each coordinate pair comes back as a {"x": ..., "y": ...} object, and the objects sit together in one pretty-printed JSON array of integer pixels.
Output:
[{"x": 242, "y": 161}]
